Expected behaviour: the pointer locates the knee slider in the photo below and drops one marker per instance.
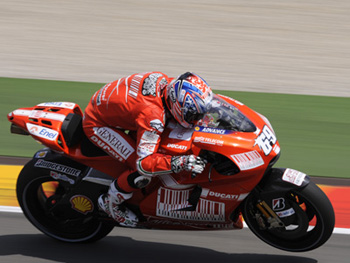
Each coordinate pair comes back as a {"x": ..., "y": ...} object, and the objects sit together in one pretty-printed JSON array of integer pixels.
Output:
[
  {"x": 138, "y": 181},
  {"x": 142, "y": 181}
]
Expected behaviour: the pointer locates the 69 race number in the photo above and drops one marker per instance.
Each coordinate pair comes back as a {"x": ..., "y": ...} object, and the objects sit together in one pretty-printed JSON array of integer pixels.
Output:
[{"x": 266, "y": 140}]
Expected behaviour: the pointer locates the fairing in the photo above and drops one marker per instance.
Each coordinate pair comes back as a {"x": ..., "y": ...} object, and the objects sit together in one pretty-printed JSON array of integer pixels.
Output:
[{"x": 238, "y": 143}]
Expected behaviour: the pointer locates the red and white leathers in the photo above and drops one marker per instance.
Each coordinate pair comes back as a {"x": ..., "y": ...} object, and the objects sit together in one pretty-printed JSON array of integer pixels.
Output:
[
  {"x": 136, "y": 104},
  {"x": 131, "y": 103}
]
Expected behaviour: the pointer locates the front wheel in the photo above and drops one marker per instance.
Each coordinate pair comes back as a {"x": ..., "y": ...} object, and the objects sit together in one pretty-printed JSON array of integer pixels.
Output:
[
  {"x": 308, "y": 226},
  {"x": 40, "y": 197}
]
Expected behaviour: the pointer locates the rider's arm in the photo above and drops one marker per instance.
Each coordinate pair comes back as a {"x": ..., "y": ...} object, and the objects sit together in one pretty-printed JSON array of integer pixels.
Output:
[
  {"x": 151, "y": 163},
  {"x": 151, "y": 124},
  {"x": 154, "y": 164}
]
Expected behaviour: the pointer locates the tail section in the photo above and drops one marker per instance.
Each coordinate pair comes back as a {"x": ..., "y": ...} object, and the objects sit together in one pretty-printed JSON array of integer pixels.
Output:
[{"x": 54, "y": 124}]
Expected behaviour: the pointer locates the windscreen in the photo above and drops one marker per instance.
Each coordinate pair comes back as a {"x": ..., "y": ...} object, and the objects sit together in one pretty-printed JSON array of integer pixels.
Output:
[{"x": 223, "y": 115}]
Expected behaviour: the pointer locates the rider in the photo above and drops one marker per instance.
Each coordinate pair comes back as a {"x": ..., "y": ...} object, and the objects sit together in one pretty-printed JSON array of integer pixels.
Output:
[{"x": 126, "y": 118}]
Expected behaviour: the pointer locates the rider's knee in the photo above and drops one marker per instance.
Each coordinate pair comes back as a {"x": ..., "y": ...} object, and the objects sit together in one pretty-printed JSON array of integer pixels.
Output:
[{"x": 138, "y": 181}]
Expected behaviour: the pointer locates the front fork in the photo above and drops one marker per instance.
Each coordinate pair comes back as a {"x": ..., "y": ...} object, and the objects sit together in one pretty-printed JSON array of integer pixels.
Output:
[
  {"x": 275, "y": 187},
  {"x": 271, "y": 217}
]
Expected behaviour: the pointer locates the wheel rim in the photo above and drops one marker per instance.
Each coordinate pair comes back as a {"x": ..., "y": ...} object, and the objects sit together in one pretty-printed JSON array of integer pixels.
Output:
[
  {"x": 303, "y": 234},
  {"x": 294, "y": 231},
  {"x": 41, "y": 204}
]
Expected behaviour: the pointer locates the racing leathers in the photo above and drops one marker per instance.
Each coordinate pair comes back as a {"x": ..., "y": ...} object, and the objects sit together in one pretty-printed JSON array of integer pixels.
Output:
[{"x": 133, "y": 104}]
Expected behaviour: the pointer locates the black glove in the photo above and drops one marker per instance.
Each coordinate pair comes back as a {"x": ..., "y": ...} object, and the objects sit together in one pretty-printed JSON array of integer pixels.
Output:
[{"x": 189, "y": 163}]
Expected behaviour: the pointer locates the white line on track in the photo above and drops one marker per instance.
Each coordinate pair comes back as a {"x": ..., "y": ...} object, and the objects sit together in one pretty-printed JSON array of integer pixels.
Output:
[
  {"x": 15, "y": 209},
  {"x": 12, "y": 209}
]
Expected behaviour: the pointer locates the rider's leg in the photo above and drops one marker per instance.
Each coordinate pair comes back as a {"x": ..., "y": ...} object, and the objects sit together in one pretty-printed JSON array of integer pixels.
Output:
[
  {"x": 119, "y": 191},
  {"x": 121, "y": 146}
]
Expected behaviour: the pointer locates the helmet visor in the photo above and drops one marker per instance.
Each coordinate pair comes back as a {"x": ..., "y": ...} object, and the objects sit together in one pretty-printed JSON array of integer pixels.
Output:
[{"x": 192, "y": 118}]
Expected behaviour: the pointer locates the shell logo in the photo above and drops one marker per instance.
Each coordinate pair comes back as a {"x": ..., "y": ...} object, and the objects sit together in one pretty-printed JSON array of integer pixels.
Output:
[{"x": 82, "y": 204}]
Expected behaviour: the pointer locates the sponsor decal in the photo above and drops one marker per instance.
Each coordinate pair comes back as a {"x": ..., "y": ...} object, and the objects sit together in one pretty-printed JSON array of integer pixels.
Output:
[
  {"x": 286, "y": 213},
  {"x": 223, "y": 195},
  {"x": 66, "y": 105},
  {"x": 62, "y": 177},
  {"x": 181, "y": 133},
  {"x": 278, "y": 204},
  {"x": 36, "y": 114},
  {"x": 212, "y": 130},
  {"x": 57, "y": 167},
  {"x": 162, "y": 84},
  {"x": 209, "y": 141},
  {"x": 82, "y": 204},
  {"x": 112, "y": 142},
  {"x": 21, "y": 112},
  {"x": 266, "y": 140},
  {"x": 147, "y": 144},
  {"x": 145, "y": 149},
  {"x": 293, "y": 176},
  {"x": 105, "y": 147},
  {"x": 248, "y": 160},
  {"x": 176, "y": 146},
  {"x": 206, "y": 192},
  {"x": 157, "y": 125},
  {"x": 149, "y": 137},
  {"x": 42, "y": 132},
  {"x": 170, "y": 202},
  {"x": 150, "y": 84},
  {"x": 182, "y": 93},
  {"x": 41, "y": 154},
  {"x": 172, "y": 95},
  {"x": 135, "y": 86},
  {"x": 101, "y": 96}
]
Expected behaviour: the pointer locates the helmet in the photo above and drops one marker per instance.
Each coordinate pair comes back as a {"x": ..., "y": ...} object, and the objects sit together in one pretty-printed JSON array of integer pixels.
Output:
[{"x": 188, "y": 98}]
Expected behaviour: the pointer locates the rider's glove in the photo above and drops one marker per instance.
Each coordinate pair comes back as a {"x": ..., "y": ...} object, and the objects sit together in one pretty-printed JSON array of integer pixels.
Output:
[{"x": 189, "y": 163}]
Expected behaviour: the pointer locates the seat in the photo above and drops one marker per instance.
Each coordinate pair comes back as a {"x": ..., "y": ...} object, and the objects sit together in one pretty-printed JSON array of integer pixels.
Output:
[{"x": 72, "y": 129}]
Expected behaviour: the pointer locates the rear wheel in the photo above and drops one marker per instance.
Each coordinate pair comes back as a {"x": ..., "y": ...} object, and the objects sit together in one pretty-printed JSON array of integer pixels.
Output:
[
  {"x": 308, "y": 225},
  {"x": 40, "y": 197}
]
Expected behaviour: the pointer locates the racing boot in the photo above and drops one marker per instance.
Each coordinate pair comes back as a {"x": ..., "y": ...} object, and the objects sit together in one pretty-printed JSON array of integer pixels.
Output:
[{"x": 110, "y": 204}]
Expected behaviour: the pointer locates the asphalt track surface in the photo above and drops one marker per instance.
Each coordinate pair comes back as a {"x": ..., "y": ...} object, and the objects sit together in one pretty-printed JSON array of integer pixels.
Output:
[
  {"x": 21, "y": 242},
  {"x": 297, "y": 47}
]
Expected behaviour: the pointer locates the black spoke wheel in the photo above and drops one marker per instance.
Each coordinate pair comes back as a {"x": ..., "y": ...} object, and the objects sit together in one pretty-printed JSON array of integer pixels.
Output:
[
  {"x": 309, "y": 227},
  {"x": 40, "y": 198}
]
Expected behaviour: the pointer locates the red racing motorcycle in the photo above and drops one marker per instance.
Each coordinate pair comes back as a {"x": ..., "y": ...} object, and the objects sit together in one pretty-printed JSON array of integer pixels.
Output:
[{"x": 58, "y": 188}]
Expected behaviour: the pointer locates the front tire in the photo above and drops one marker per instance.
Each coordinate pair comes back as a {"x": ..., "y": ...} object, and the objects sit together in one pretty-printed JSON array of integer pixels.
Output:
[
  {"x": 39, "y": 196},
  {"x": 312, "y": 225}
]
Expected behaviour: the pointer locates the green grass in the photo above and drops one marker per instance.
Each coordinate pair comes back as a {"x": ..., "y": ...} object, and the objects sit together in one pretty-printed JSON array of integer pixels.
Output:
[
  {"x": 21, "y": 93},
  {"x": 313, "y": 130}
]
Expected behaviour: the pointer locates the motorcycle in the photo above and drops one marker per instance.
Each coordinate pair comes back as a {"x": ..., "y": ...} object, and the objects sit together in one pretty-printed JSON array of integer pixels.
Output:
[{"x": 59, "y": 187}]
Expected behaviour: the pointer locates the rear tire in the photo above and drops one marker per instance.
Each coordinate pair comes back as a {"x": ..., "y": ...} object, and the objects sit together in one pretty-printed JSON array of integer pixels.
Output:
[
  {"x": 311, "y": 205},
  {"x": 37, "y": 205}
]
